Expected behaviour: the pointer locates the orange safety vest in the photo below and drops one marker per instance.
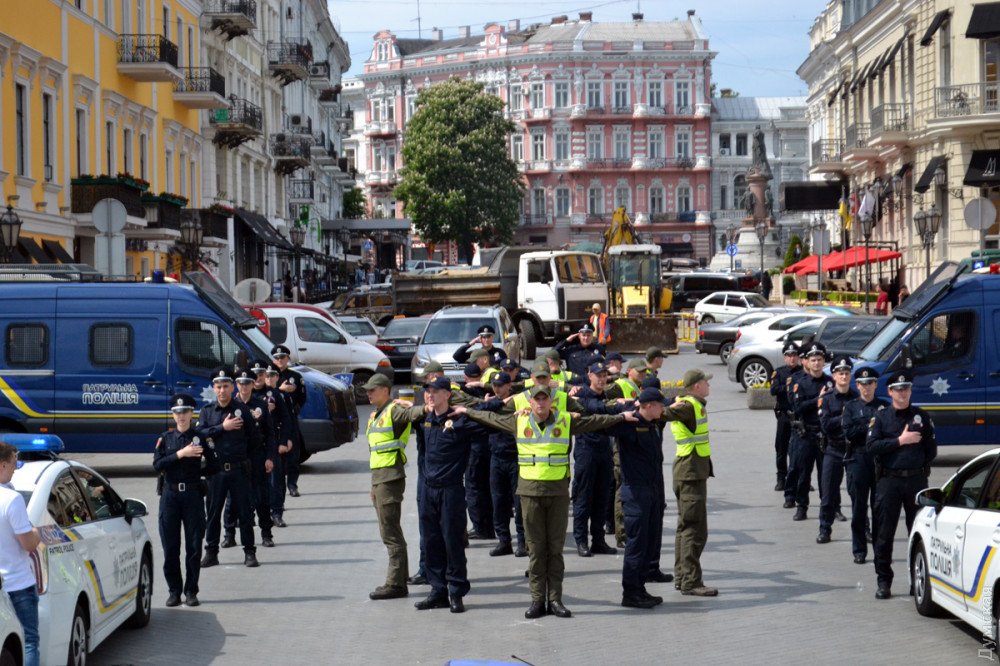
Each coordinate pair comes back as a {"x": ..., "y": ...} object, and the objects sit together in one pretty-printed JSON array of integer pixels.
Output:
[{"x": 600, "y": 324}]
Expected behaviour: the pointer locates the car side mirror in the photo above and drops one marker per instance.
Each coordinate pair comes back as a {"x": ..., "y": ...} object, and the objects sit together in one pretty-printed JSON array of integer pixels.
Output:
[
  {"x": 933, "y": 497},
  {"x": 134, "y": 509}
]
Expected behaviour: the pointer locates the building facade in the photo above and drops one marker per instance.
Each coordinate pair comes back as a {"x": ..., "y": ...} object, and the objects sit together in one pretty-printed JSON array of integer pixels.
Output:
[
  {"x": 607, "y": 115},
  {"x": 902, "y": 101}
]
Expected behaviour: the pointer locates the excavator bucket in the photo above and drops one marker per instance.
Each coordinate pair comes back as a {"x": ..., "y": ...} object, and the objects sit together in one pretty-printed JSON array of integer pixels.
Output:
[{"x": 636, "y": 334}]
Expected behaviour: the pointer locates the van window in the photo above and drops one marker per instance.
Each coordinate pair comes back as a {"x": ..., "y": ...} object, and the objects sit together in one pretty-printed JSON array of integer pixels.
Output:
[
  {"x": 696, "y": 284},
  {"x": 944, "y": 339},
  {"x": 110, "y": 345},
  {"x": 202, "y": 345},
  {"x": 277, "y": 329},
  {"x": 540, "y": 271},
  {"x": 66, "y": 503},
  {"x": 27, "y": 345},
  {"x": 316, "y": 330}
]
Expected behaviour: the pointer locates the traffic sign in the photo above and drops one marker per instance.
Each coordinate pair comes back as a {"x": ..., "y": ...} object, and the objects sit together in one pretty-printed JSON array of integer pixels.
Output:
[{"x": 731, "y": 249}]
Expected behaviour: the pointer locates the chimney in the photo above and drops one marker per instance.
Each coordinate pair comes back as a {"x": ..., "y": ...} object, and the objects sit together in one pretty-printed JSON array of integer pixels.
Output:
[
  {"x": 464, "y": 32},
  {"x": 436, "y": 34},
  {"x": 513, "y": 25},
  {"x": 586, "y": 16},
  {"x": 690, "y": 13},
  {"x": 559, "y": 20},
  {"x": 636, "y": 16}
]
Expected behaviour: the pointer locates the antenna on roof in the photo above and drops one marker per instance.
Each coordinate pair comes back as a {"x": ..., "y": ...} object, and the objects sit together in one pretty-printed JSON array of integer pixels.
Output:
[{"x": 419, "y": 33}]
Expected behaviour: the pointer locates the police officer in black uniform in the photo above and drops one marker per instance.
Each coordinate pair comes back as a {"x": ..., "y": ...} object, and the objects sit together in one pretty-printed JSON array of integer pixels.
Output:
[
  {"x": 285, "y": 428},
  {"x": 294, "y": 390},
  {"x": 831, "y": 409},
  {"x": 477, "y": 477},
  {"x": 804, "y": 448},
  {"x": 580, "y": 350},
  {"x": 858, "y": 460},
  {"x": 781, "y": 381},
  {"x": 901, "y": 438},
  {"x": 263, "y": 452},
  {"x": 181, "y": 457},
  {"x": 484, "y": 337},
  {"x": 226, "y": 423}
]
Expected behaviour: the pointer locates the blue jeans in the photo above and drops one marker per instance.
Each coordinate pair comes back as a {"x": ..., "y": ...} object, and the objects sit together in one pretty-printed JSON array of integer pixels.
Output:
[{"x": 26, "y": 608}]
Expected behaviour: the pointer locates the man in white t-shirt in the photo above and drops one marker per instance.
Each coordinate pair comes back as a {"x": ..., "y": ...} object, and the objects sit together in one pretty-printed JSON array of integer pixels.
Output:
[{"x": 17, "y": 539}]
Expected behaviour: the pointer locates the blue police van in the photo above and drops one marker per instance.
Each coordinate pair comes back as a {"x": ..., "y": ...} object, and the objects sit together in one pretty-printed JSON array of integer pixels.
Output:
[
  {"x": 96, "y": 362},
  {"x": 948, "y": 333}
]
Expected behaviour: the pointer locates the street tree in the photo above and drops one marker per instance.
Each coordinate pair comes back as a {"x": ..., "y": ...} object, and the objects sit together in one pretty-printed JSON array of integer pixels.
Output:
[
  {"x": 458, "y": 182},
  {"x": 354, "y": 203}
]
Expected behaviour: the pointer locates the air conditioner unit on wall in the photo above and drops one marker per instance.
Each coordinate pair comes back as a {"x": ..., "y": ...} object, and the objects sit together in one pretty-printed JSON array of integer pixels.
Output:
[
  {"x": 296, "y": 120},
  {"x": 724, "y": 151},
  {"x": 317, "y": 70}
]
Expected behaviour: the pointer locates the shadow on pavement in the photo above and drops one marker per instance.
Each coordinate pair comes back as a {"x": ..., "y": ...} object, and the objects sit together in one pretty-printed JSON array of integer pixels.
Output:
[{"x": 174, "y": 636}]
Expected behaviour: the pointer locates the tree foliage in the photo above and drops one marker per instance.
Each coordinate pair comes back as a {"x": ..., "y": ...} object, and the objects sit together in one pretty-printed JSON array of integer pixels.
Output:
[
  {"x": 354, "y": 204},
  {"x": 790, "y": 257},
  {"x": 458, "y": 182}
]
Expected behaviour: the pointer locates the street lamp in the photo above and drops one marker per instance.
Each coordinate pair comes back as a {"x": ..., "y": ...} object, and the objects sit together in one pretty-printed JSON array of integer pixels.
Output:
[
  {"x": 191, "y": 237},
  {"x": 732, "y": 232},
  {"x": 297, "y": 233},
  {"x": 927, "y": 223},
  {"x": 761, "y": 230},
  {"x": 867, "y": 222},
  {"x": 10, "y": 231}
]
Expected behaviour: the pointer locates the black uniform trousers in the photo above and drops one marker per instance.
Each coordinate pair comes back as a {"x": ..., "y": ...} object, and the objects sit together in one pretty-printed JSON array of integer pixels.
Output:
[
  {"x": 276, "y": 485},
  {"x": 592, "y": 475},
  {"x": 442, "y": 532},
  {"x": 643, "y": 507},
  {"x": 182, "y": 509},
  {"x": 782, "y": 435},
  {"x": 803, "y": 455},
  {"x": 477, "y": 487},
  {"x": 831, "y": 476},
  {"x": 260, "y": 494},
  {"x": 235, "y": 482},
  {"x": 860, "y": 470},
  {"x": 503, "y": 490},
  {"x": 893, "y": 494}
]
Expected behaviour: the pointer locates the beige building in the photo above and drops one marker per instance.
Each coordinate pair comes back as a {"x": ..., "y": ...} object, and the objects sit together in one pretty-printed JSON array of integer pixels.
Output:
[{"x": 903, "y": 99}]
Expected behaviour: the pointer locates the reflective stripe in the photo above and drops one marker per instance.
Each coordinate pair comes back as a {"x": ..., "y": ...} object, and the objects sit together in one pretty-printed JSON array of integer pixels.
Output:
[
  {"x": 388, "y": 446},
  {"x": 692, "y": 442},
  {"x": 382, "y": 442},
  {"x": 551, "y": 460}
]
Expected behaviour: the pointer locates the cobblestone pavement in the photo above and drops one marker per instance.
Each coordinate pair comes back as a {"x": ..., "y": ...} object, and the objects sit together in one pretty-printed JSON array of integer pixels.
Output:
[{"x": 783, "y": 598}]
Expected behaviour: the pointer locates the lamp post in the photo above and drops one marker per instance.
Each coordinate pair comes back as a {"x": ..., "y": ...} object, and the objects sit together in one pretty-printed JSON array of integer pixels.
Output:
[
  {"x": 761, "y": 229},
  {"x": 867, "y": 222},
  {"x": 927, "y": 223},
  {"x": 732, "y": 232},
  {"x": 191, "y": 237},
  {"x": 297, "y": 233},
  {"x": 10, "y": 231}
]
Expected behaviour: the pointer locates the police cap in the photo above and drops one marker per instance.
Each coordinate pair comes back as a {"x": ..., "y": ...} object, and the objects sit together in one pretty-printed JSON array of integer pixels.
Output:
[
  {"x": 540, "y": 370},
  {"x": 440, "y": 384},
  {"x": 841, "y": 363},
  {"x": 500, "y": 379},
  {"x": 540, "y": 389},
  {"x": 245, "y": 376},
  {"x": 553, "y": 355},
  {"x": 472, "y": 370},
  {"x": 692, "y": 377},
  {"x": 866, "y": 375},
  {"x": 651, "y": 382},
  {"x": 258, "y": 367},
  {"x": 220, "y": 375},
  {"x": 791, "y": 349},
  {"x": 486, "y": 330},
  {"x": 815, "y": 349},
  {"x": 587, "y": 328},
  {"x": 650, "y": 395},
  {"x": 615, "y": 356},
  {"x": 901, "y": 379},
  {"x": 654, "y": 353},
  {"x": 479, "y": 353},
  {"x": 637, "y": 364},
  {"x": 182, "y": 402},
  {"x": 433, "y": 366},
  {"x": 272, "y": 369},
  {"x": 597, "y": 368},
  {"x": 377, "y": 381},
  {"x": 508, "y": 364},
  {"x": 280, "y": 351}
]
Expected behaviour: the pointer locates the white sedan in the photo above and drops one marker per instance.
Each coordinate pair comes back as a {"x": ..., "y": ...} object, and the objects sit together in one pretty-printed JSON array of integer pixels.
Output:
[
  {"x": 95, "y": 564},
  {"x": 953, "y": 546},
  {"x": 11, "y": 633},
  {"x": 724, "y": 305}
]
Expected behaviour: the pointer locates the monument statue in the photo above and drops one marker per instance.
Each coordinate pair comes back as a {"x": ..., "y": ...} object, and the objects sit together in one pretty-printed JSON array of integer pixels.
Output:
[
  {"x": 760, "y": 165},
  {"x": 768, "y": 202},
  {"x": 749, "y": 203}
]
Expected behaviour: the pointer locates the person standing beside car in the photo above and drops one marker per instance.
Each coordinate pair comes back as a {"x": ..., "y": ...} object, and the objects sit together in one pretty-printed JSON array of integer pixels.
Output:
[
  {"x": 18, "y": 538},
  {"x": 294, "y": 390},
  {"x": 781, "y": 382}
]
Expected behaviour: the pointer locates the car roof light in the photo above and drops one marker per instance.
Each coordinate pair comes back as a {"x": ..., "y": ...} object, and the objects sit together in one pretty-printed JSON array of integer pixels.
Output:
[{"x": 34, "y": 443}]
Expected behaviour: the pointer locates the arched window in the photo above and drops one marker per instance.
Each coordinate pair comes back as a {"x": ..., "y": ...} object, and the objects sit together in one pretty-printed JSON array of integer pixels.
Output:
[
  {"x": 595, "y": 201},
  {"x": 739, "y": 190}
]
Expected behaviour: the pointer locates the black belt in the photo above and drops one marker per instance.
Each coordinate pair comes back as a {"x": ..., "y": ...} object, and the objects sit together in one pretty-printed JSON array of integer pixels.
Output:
[
  {"x": 231, "y": 465},
  {"x": 185, "y": 486},
  {"x": 905, "y": 473}
]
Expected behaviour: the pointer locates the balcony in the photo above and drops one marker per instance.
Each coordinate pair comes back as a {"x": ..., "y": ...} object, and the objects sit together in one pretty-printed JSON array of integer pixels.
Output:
[
  {"x": 828, "y": 156},
  {"x": 535, "y": 220},
  {"x": 241, "y": 121},
  {"x": 290, "y": 151},
  {"x": 232, "y": 18},
  {"x": 288, "y": 61},
  {"x": 622, "y": 110},
  {"x": 329, "y": 96},
  {"x": 86, "y": 191},
  {"x": 857, "y": 146},
  {"x": 148, "y": 58},
  {"x": 380, "y": 128},
  {"x": 638, "y": 164},
  {"x": 214, "y": 220},
  {"x": 381, "y": 178},
  {"x": 538, "y": 165},
  {"x": 323, "y": 151},
  {"x": 649, "y": 110},
  {"x": 168, "y": 211},
  {"x": 967, "y": 107},
  {"x": 319, "y": 75},
  {"x": 300, "y": 191},
  {"x": 202, "y": 88},
  {"x": 890, "y": 125}
]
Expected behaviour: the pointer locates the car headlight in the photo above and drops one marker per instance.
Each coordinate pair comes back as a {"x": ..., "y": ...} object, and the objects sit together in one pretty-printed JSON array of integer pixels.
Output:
[{"x": 420, "y": 361}]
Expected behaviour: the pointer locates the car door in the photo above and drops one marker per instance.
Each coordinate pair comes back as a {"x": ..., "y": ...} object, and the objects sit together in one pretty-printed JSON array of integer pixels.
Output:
[
  {"x": 539, "y": 289},
  {"x": 714, "y": 308},
  {"x": 320, "y": 345},
  {"x": 980, "y": 563}
]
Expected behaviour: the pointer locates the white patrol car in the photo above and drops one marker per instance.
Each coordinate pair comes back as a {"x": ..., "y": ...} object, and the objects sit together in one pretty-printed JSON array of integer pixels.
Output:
[
  {"x": 95, "y": 564},
  {"x": 11, "y": 634},
  {"x": 953, "y": 547}
]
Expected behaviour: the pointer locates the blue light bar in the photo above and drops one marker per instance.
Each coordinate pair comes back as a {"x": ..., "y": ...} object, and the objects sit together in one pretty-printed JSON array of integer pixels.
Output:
[{"x": 26, "y": 443}]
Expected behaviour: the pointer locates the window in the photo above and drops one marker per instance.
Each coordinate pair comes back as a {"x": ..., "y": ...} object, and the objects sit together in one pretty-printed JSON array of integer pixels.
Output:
[
  {"x": 682, "y": 97},
  {"x": 623, "y": 197},
  {"x": 561, "y": 138},
  {"x": 725, "y": 144},
  {"x": 278, "y": 329},
  {"x": 622, "y": 102},
  {"x": 390, "y": 158},
  {"x": 964, "y": 490},
  {"x": 351, "y": 158},
  {"x": 741, "y": 144},
  {"x": 595, "y": 144},
  {"x": 739, "y": 190},
  {"x": 655, "y": 144},
  {"x": 562, "y": 94},
  {"x": 540, "y": 271},
  {"x": 538, "y": 201},
  {"x": 105, "y": 502},
  {"x": 312, "y": 329},
  {"x": 183, "y": 175},
  {"x": 656, "y": 200},
  {"x": 517, "y": 148},
  {"x": 623, "y": 145},
  {"x": 376, "y": 111},
  {"x": 168, "y": 161},
  {"x": 203, "y": 346},
  {"x": 192, "y": 179},
  {"x": 683, "y": 144},
  {"x": 578, "y": 268},
  {"x": 127, "y": 150},
  {"x": 110, "y": 345},
  {"x": 516, "y": 101},
  {"x": 944, "y": 340},
  {"x": 716, "y": 299},
  {"x": 683, "y": 199},
  {"x": 81, "y": 141},
  {"x": 562, "y": 202},
  {"x": 27, "y": 345},
  {"x": 537, "y": 95},
  {"x": 21, "y": 128},
  {"x": 166, "y": 21},
  {"x": 47, "y": 135},
  {"x": 723, "y": 196},
  {"x": 654, "y": 94},
  {"x": 389, "y": 109},
  {"x": 109, "y": 148},
  {"x": 595, "y": 99},
  {"x": 944, "y": 33},
  {"x": 595, "y": 200},
  {"x": 67, "y": 504},
  {"x": 143, "y": 150},
  {"x": 538, "y": 146},
  {"x": 411, "y": 106}
]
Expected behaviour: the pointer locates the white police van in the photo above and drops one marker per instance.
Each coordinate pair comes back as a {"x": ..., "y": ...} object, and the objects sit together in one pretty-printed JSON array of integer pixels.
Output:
[
  {"x": 11, "y": 634},
  {"x": 94, "y": 566},
  {"x": 953, "y": 547}
]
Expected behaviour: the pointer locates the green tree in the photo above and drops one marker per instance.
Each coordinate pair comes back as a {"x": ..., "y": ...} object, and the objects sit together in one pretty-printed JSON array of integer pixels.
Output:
[
  {"x": 793, "y": 243},
  {"x": 355, "y": 206},
  {"x": 459, "y": 182}
]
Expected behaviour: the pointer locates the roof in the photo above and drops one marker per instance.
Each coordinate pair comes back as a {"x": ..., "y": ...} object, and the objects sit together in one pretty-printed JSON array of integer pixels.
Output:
[{"x": 755, "y": 108}]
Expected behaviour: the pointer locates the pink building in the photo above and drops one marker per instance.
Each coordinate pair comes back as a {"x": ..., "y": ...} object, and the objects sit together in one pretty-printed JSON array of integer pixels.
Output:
[{"x": 608, "y": 114}]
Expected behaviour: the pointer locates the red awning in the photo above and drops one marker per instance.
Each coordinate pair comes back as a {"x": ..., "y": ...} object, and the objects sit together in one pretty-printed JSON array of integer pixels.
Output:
[
  {"x": 804, "y": 266},
  {"x": 855, "y": 256}
]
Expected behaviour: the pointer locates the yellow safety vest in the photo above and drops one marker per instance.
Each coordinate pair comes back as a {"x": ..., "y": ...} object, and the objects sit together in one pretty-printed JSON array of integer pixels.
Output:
[
  {"x": 559, "y": 400},
  {"x": 543, "y": 455},
  {"x": 563, "y": 376},
  {"x": 382, "y": 445},
  {"x": 629, "y": 389},
  {"x": 696, "y": 441},
  {"x": 488, "y": 375}
]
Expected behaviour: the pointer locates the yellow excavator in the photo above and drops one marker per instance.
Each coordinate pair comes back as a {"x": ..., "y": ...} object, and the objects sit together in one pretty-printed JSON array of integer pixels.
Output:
[{"x": 638, "y": 302}]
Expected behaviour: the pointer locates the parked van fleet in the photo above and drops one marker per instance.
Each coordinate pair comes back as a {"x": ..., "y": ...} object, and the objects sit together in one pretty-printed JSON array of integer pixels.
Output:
[
  {"x": 948, "y": 331},
  {"x": 95, "y": 362}
]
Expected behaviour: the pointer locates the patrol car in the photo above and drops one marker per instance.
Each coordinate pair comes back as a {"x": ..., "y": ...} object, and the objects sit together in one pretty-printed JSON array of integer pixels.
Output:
[
  {"x": 94, "y": 566},
  {"x": 11, "y": 634},
  {"x": 953, "y": 546}
]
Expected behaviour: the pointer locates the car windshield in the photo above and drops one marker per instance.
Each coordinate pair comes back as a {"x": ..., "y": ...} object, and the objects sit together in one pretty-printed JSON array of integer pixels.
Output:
[
  {"x": 454, "y": 329},
  {"x": 356, "y": 328},
  {"x": 579, "y": 268},
  {"x": 262, "y": 345},
  {"x": 883, "y": 344},
  {"x": 405, "y": 328}
]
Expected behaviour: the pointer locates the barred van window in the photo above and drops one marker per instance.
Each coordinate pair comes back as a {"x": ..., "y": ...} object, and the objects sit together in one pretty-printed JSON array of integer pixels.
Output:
[
  {"x": 27, "y": 345},
  {"x": 111, "y": 345}
]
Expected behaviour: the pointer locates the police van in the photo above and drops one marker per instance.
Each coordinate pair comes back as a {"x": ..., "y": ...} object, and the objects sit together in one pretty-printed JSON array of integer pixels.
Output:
[
  {"x": 96, "y": 362},
  {"x": 948, "y": 332}
]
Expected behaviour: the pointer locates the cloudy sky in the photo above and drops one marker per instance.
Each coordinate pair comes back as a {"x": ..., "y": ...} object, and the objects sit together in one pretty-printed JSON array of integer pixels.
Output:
[{"x": 759, "y": 44}]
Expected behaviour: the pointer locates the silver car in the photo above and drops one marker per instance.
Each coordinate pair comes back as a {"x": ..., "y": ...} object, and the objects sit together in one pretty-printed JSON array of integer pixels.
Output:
[
  {"x": 751, "y": 364},
  {"x": 452, "y": 327}
]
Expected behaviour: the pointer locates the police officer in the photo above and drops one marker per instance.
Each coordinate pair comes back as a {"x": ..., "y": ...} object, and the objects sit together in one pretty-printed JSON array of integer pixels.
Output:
[
  {"x": 580, "y": 350},
  {"x": 559, "y": 375},
  {"x": 285, "y": 434},
  {"x": 179, "y": 456},
  {"x": 806, "y": 433},
  {"x": 654, "y": 360},
  {"x": 294, "y": 390},
  {"x": 614, "y": 361},
  {"x": 543, "y": 439},
  {"x": 477, "y": 476},
  {"x": 627, "y": 387},
  {"x": 263, "y": 451},
  {"x": 226, "y": 422},
  {"x": 513, "y": 370},
  {"x": 858, "y": 460},
  {"x": 901, "y": 438},
  {"x": 781, "y": 381},
  {"x": 484, "y": 336},
  {"x": 831, "y": 410}
]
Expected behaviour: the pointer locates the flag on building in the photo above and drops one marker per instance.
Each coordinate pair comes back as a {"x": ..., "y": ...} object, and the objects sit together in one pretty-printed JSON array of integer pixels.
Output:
[{"x": 845, "y": 214}]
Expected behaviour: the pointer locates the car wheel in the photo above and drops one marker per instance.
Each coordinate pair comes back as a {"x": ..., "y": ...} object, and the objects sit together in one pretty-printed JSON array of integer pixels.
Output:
[
  {"x": 529, "y": 341},
  {"x": 724, "y": 351},
  {"x": 144, "y": 594},
  {"x": 707, "y": 319},
  {"x": 921, "y": 574},
  {"x": 753, "y": 372},
  {"x": 78, "y": 638},
  {"x": 996, "y": 626},
  {"x": 360, "y": 379},
  {"x": 7, "y": 658}
]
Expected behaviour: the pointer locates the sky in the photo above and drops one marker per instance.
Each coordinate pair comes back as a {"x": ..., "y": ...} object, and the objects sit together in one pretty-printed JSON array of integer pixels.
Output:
[{"x": 759, "y": 44}]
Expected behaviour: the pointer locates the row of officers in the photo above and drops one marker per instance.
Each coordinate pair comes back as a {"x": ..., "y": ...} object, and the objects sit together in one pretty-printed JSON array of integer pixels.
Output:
[
  {"x": 885, "y": 448},
  {"x": 237, "y": 463}
]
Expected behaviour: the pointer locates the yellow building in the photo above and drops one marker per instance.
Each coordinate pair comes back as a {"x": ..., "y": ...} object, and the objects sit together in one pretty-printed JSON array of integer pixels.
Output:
[{"x": 99, "y": 99}]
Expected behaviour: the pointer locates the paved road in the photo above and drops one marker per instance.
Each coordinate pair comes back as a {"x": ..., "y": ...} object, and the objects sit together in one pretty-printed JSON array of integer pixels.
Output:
[{"x": 783, "y": 597}]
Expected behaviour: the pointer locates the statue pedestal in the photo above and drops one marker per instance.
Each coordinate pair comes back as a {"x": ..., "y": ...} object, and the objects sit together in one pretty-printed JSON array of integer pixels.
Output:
[{"x": 748, "y": 249}]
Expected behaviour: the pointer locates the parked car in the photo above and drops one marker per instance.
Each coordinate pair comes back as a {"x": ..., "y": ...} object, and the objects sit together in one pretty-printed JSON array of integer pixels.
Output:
[
  {"x": 718, "y": 338},
  {"x": 772, "y": 328},
  {"x": 11, "y": 633},
  {"x": 952, "y": 547},
  {"x": 724, "y": 305},
  {"x": 399, "y": 339},
  {"x": 689, "y": 288},
  {"x": 847, "y": 335},
  {"x": 361, "y": 328},
  {"x": 751, "y": 364},
  {"x": 451, "y": 327},
  {"x": 421, "y": 264},
  {"x": 95, "y": 562},
  {"x": 375, "y": 303}
]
